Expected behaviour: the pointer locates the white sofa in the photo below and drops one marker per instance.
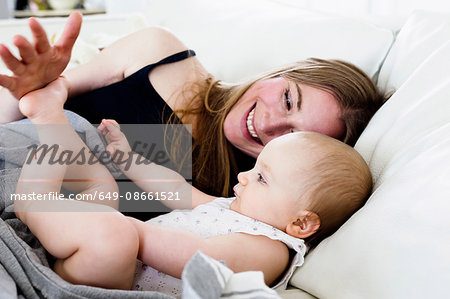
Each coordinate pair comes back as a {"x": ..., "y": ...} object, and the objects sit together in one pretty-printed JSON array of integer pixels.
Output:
[{"x": 398, "y": 244}]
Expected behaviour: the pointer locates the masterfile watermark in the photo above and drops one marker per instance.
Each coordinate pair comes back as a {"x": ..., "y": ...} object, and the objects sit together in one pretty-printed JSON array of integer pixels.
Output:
[
  {"x": 153, "y": 145},
  {"x": 96, "y": 155}
]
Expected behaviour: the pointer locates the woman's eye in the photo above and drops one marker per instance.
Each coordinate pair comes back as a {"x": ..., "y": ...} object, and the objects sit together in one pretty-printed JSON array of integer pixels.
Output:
[
  {"x": 261, "y": 178},
  {"x": 288, "y": 100}
]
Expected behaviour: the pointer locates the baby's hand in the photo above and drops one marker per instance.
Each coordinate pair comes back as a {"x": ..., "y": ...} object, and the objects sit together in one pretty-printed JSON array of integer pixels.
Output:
[{"x": 117, "y": 141}]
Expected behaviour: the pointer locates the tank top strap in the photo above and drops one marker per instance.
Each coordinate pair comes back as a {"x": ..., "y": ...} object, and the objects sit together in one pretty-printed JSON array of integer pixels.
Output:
[
  {"x": 143, "y": 72},
  {"x": 175, "y": 57}
]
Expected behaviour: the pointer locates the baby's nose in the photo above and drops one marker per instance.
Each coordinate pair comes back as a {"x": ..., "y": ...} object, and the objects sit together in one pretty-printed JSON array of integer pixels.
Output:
[{"x": 242, "y": 178}]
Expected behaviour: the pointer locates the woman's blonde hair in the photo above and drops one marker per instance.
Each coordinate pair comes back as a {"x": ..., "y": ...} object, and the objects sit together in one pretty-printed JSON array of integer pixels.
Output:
[{"x": 213, "y": 160}]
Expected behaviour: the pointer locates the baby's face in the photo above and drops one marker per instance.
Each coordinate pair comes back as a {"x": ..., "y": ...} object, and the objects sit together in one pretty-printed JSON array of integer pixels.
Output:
[{"x": 271, "y": 191}]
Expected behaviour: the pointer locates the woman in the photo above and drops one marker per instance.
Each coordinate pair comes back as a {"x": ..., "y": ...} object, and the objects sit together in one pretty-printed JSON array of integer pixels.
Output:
[{"x": 151, "y": 77}]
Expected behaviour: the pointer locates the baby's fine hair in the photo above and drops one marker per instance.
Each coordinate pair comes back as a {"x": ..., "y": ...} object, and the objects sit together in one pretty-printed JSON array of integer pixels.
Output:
[{"x": 338, "y": 185}]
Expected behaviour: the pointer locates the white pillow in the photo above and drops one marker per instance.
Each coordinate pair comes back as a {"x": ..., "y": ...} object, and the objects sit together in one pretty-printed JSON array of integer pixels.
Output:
[
  {"x": 236, "y": 39},
  {"x": 398, "y": 244},
  {"x": 423, "y": 33}
]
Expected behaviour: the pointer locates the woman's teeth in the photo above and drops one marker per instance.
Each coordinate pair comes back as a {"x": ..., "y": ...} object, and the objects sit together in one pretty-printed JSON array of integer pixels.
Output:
[{"x": 250, "y": 127}]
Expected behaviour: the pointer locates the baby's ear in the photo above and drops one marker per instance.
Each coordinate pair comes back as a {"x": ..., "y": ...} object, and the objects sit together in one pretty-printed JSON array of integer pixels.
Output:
[{"x": 304, "y": 225}]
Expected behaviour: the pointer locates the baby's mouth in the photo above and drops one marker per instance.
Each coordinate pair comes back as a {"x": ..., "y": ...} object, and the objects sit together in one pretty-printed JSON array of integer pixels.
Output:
[
  {"x": 251, "y": 127},
  {"x": 235, "y": 191}
]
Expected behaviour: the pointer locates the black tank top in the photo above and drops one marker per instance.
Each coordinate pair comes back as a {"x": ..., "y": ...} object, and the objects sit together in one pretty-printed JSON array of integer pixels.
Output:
[{"x": 133, "y": 100}]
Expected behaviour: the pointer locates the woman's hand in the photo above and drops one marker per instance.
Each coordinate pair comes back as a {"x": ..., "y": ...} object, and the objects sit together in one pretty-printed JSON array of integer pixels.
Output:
[{"x": 40, "y": 62}]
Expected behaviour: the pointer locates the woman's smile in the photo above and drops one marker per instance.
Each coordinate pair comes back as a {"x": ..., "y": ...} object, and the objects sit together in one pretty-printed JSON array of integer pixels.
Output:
[{"x": 251, "y": 128}]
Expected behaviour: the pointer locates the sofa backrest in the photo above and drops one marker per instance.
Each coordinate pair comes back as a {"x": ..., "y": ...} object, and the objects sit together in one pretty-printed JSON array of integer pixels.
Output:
[
  {"x": 397, "y": 245},
  {"x": 238, "y": 39}
]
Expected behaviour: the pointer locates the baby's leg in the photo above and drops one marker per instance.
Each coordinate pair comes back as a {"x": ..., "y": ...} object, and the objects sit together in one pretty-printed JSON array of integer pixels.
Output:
[
  {"x": 94, "y": 244},
  {"x": 44, "y": 108}
]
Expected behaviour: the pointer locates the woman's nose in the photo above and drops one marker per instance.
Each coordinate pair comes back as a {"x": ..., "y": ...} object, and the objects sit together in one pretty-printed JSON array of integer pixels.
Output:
[
  {"x": 273, "y": 126},
  {"x": 242, "y": 178}
]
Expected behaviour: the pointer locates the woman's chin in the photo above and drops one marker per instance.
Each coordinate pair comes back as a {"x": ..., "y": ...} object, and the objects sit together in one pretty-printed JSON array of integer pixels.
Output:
[
  {"x": 252, "y": 150},
  {"x": 245, "y": 144}
]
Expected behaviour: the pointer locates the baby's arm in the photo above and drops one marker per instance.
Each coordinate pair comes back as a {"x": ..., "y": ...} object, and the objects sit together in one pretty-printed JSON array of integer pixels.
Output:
[
  {"x": 168, "y": 250},
  {"x": 148, "y": 176}
]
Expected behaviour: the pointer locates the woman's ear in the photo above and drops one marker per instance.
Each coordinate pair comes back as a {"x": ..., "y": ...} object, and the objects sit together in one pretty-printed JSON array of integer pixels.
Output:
[{"x": 304, "y": 225}]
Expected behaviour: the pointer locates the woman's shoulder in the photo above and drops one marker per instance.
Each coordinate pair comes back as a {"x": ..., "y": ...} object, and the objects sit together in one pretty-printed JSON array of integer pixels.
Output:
[
  {"x": 128, "y": 55},
  {"x": 151, "y": 45}
]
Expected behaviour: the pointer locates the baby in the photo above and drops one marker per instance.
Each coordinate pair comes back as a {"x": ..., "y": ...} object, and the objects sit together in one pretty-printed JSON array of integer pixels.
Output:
[{"x": 303, "y": 187}]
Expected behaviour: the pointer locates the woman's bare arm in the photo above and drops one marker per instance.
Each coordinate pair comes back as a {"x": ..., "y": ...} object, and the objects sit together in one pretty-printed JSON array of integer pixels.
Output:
[{"x": 123, "y": 58}]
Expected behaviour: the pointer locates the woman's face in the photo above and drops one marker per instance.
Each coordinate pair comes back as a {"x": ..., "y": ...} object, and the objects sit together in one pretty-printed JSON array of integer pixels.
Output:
[{"x": 276, "y": 106}]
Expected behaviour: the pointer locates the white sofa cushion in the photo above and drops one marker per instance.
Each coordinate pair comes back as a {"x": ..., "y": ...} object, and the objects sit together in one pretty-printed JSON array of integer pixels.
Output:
[
  {"x": 397, "y": 245},
  {"x": 236, "y": 39},
  {"x": 423, "y": 33}
]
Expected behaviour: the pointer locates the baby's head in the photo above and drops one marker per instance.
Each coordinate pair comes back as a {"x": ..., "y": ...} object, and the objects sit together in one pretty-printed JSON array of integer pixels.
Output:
[{"x": 305, "y": 184}]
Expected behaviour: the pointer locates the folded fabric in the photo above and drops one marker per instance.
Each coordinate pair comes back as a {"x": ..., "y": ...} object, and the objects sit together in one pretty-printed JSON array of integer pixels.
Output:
[{"x": 205, "y": 277}]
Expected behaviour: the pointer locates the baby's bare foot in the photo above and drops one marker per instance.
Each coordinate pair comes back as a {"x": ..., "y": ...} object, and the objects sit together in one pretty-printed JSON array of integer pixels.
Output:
[{"x": 45, "y": 105}]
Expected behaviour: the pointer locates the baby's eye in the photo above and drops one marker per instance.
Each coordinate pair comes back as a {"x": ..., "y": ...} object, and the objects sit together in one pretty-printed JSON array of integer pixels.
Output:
[
  {"x": 261, "y": 178},
  {"x": 288, "y": 100}
]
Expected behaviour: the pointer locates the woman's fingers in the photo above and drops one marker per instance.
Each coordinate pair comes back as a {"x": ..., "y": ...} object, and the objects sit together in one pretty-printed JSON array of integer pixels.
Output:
[
  {"x": 41, "y": 43},
  {"x": 39, "y": 63},
  {"x": 26, "y": 50},
  {"x": 6, "y": 82},
  {"x": 70, "y": 33},
  {"x": 11, "y": 62}
]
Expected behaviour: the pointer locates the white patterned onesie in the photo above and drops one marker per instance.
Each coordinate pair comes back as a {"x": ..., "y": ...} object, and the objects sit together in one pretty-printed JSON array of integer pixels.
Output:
[{"x": 212, "y": 219}]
